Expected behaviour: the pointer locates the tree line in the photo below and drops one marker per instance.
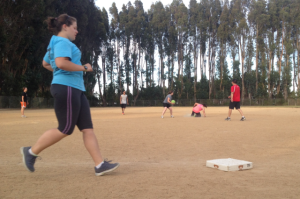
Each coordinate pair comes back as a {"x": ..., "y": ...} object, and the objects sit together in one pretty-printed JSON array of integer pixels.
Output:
[{"x": 150, "y": 52}]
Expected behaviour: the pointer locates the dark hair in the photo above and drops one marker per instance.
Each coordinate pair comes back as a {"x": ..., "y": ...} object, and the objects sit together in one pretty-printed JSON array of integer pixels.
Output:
[
  {"x": 170, "y": 92},
  {"x": 204, "y": 105},
  {"x": 55, "y": 24},
  {"x": 234, "y": 81}
]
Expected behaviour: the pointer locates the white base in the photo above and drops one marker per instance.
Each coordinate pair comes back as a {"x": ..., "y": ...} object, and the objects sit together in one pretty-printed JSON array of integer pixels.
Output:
[{"x": 229, "y": 164}]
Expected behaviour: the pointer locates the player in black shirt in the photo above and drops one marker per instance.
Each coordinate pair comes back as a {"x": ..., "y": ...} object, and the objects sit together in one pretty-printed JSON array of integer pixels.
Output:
[{"x": 24, "y": 101}]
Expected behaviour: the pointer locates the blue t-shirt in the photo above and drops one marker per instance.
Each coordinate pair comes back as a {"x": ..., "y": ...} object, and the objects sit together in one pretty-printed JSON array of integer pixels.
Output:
[{"x": 62, "y": 47}]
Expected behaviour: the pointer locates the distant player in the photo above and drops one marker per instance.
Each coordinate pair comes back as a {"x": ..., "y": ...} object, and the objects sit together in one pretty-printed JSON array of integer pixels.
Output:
[
  {"x": 197, "y": 109},
  {"x": 235, "y": 100},
  {"x": 123, "y": 101},
  {"x": 24, "y": 101},
  {"x": 167, "y": 104}
]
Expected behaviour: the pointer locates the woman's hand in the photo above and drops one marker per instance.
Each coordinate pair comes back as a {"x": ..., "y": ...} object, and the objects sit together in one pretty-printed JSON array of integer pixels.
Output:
[{"x": 90, "y": 69}]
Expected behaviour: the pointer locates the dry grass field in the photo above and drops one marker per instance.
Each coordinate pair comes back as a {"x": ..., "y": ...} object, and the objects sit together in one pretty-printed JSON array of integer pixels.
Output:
[{"x": 160, "y": 158}]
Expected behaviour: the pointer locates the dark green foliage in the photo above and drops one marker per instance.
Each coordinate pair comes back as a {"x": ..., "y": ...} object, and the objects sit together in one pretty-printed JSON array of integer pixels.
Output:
[
  {"x": 24, "y": 39},
  {"x": 150, "y": 52}
]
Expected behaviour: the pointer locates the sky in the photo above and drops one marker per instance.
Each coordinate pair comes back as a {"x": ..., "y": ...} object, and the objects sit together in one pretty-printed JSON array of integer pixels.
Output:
[{"x": 119, "y": 3}]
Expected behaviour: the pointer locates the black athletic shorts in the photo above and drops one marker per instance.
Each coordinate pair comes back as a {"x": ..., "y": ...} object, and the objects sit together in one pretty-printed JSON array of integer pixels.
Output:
[
  {"x": 196, "y": 114},
  {"x": 235, "y": 105},
  {"x": 123, "y": 105},
  {"x": 166, "y": 105},
  {"x": 71, "y": 108}
]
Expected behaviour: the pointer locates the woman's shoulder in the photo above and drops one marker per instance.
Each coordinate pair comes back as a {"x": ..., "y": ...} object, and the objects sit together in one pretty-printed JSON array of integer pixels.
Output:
[{"x": 60, "y": 40}]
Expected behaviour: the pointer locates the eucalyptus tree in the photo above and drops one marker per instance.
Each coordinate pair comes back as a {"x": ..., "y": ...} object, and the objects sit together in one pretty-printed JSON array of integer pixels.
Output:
[
  {"x": 149, "y": 49},
  {"x": 203, "y": 24},
  {"x": 125, "y": 42},
  {"x": 295, "y": 17},
  {"x": 159, "y": 24},
  {"x": 171, "y": 43},
  {"x": 258, "y": 19},
  {"x": 283, "y": 41},
  {"x": 223, "y": 36},
  {"x": 240, "y": 32},
  {"x": 270, "y": 41},
  {"x": 138, "y": 28},
  {"x": 104, "y": 47},
  {"x": 179, "y": 14},
  {"x": 194, "y": 36},
  {"x": 213, "y": 16},
  {"x": 287, "y": 47},
  {"x": 115, "y": 26}
]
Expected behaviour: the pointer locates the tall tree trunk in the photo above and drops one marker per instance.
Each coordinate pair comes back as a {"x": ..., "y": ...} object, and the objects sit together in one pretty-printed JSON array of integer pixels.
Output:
[
  {"x": 269, "y": 74},
  {"x": 162, "y": 74},
  {"x": 181, "y": 65},
  {"x": 99, "y": 86},
  {"x": 141, "y": 69},
  {"x": 172, "y": 72},
  {"x": 294, "y": 76},
  {"x": 119, "y": 66},
  {"x": 146, "y": 68},
  {"x": 242, "y": 48},
  {"x": 150, "y": 70},
  {"x": 256, "y": 73},
  {"x": 222, "y": 54},
  {"x": 298, "y": 60},
  {"x": 195, "y": 73},
  {"x": 209, "y": 68},
  {"x": 104, "y": 81},
  {"x": 280, "y": 59},
  {"x": 200, "y": 63},
  {"x": 285, "y": 81}
]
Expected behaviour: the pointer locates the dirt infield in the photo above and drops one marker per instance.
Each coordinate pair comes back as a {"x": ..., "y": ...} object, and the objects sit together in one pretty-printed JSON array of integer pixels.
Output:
[{"x": 160, "y": 158}]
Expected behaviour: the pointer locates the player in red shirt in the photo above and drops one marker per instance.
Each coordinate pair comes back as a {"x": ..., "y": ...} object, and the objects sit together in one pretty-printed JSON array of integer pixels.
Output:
[{"x": 235, "y": 100}]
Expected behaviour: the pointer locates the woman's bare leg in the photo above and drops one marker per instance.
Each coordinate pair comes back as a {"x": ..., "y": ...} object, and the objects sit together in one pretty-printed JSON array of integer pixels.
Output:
[
  {"x": 91, "y": 144},
  {"x": 164, "y": 110},
  {"x": 49, "y": 138},
  {"x": 171, "y": 110}
]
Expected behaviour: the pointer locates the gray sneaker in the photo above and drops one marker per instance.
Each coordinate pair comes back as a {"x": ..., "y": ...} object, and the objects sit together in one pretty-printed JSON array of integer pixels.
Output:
[
  {"x": 243, "y": 119},
  {"x": 28, "y": 159},
  {"x": 228, "y": 119},
  {"x": 106, "y": 167}
]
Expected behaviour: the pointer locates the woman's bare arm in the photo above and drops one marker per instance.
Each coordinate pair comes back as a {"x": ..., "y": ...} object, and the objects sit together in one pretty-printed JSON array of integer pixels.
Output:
[
  {"x": 47, "y": 66},
  {"x": 65, "y": 64}
]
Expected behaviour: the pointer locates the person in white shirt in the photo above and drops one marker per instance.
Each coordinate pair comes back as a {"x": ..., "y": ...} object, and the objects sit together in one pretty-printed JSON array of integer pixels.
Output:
[{"x": 123, "y": 101}]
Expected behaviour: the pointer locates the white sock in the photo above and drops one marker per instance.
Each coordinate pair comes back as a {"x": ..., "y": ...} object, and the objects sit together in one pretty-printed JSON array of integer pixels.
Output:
[
  {"x": 30, "y": 151},
  {"x": 243, "y": 116},
  {"x": 99, "y": 165}
]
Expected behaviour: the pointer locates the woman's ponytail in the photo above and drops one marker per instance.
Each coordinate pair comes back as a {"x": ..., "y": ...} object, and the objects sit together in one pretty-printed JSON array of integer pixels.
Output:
[{"x": 55, "y": 24}]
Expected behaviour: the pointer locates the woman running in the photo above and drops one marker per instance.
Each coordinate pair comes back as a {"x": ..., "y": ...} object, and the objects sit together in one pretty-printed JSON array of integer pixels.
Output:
[
  {"x": 197, "y": 109},
  {"x": 67, "y": 88}
]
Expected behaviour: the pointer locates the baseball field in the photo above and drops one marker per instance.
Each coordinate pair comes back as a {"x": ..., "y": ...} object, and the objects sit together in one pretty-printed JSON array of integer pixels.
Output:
[{"x": 159, "y": 158}]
